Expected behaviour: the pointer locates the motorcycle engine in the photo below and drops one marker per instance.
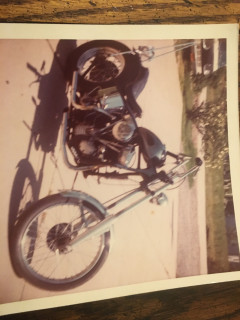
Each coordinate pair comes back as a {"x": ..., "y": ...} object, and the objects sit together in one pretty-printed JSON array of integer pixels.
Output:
[
  {"x": 124, "y": 129},
  {"x": 126, "y": 155},
  {"x": 115, "y": 146},
  {"x": 85, "y": 145}
]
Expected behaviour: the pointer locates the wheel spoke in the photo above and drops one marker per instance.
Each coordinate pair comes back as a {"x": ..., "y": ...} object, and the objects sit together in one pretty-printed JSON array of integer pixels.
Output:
[{"x": 101, "y": 65}]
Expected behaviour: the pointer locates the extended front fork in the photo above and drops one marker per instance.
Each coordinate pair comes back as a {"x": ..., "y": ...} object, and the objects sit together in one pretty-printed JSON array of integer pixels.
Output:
[{"x": 104, "y": 225}]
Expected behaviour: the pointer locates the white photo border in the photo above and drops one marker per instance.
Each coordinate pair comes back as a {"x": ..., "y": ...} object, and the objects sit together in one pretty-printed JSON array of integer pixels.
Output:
[{"x": 137, "y": 32}]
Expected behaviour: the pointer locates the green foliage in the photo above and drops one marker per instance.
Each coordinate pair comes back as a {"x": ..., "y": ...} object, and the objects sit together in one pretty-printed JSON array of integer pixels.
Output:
[
  {"x": 211, "y": 121},
  {"x": 188, "y": 145},
  {"x": 214, "y": 80},
  {"x": 217, "y": 245}
]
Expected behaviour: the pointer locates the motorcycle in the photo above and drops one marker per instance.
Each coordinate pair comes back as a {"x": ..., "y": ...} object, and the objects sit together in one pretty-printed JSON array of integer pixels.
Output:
[{"x": 100, "y": 134}]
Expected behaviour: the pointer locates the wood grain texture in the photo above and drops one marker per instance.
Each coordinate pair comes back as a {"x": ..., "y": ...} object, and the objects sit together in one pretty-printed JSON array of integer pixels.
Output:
[
  {"x": 213, "y": 301},
  {"x": 216, "y": 301},
  {"x": 124, "y": 11}
]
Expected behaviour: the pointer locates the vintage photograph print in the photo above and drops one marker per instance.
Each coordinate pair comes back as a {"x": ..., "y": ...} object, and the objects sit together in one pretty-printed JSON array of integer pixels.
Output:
[{"x": 116, "y": 164}]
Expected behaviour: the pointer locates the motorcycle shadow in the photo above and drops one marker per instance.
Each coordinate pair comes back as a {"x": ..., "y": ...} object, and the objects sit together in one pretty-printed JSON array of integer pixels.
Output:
[
  {"x": 43, "y": 132},
  {"x": 52, "y": 97}
]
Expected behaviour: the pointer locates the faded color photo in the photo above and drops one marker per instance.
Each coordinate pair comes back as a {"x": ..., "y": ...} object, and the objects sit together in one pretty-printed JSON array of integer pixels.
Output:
[{"x": 116, "y": 169}]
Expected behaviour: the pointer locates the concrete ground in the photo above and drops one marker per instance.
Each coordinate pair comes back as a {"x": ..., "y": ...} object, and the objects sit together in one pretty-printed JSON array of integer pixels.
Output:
[{"x": 146, "y": 239}]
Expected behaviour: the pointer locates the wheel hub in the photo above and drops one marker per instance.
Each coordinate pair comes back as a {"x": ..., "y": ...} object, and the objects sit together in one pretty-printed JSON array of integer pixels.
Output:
[
  {"x": 59, "y": 237},
  {"x": 103, "y": 71}
]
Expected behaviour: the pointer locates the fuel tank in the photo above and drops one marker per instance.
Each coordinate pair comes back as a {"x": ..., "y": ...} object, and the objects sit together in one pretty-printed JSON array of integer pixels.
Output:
[{"x": 154, "y": 151}]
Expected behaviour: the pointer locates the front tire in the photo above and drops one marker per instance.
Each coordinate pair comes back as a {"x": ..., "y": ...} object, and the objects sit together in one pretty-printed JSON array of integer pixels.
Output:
[{"x": 41, "y": 244}]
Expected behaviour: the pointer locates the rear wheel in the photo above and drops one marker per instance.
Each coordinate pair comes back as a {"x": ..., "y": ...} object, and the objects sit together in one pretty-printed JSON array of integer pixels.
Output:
[
  {"x": 42, "y": 240},
  {"x": 101, "y": 62}
]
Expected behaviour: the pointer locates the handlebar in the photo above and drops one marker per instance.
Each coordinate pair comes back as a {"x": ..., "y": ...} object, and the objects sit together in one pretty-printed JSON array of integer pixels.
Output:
[{"x": 173, "y": 174}]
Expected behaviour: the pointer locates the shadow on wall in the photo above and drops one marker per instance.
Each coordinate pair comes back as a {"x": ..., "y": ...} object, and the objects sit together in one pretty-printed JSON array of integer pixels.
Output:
[{"x": 44, "y": 130}]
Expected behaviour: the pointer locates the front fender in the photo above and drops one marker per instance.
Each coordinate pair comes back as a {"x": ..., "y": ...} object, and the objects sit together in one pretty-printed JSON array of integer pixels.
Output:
[{"x": 84, "y": 196}]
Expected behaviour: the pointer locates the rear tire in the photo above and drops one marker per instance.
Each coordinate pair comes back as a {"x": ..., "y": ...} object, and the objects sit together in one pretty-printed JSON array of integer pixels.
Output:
[{"x": 114, "y": 69}]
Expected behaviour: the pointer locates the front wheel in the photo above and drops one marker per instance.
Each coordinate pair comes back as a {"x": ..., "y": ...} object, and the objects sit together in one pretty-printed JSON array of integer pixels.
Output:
[{"x": 42, "y": 248}]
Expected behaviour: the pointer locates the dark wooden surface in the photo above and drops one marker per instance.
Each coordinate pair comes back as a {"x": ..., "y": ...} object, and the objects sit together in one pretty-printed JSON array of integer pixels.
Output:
[
  {"x": 217, "y": 301},
  {"x": 119, "y": 11},
  {"x": 212, "y": 301}
]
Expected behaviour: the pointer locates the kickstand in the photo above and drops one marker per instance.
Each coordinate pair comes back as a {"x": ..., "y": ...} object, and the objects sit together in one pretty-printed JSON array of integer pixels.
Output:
[{"x": 74, "y": 180}]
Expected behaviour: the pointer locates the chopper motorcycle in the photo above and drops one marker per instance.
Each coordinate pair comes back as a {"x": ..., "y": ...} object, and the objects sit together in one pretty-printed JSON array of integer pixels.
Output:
[{"x": 62, "y": 240}]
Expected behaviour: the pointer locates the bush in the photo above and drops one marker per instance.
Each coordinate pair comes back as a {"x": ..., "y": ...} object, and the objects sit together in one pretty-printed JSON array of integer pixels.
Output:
[{"x": 211, "y": 121}]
